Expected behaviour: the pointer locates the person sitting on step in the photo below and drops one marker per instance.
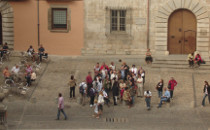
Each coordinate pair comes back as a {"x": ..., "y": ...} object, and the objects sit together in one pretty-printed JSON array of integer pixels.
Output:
[
  {"x": 148, "y": 58},
  {"x": 190, "y": 59},
  {"x": 164, "y": 98}
]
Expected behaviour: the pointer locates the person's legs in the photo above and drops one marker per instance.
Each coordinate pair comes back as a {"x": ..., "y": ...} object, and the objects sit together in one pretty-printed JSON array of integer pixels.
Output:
[
  {"x": 141, "y": 91},
  {"x": 161, "y": 100},
  {"x": 147, "y": 101},
  {"x": 64, "y": 114},
  {"x": 203, "y": 101},
  {"x": 71, "y": 92},
  {"x": 58, "y": 114},
  {"x": 209, "y": 98},
  {"x": 114, "y": 100},
  {"x": 171, "y": 93}
]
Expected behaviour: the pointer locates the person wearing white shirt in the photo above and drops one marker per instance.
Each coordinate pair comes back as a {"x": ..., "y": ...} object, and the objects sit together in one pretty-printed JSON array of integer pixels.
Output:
[
  {"x": 112, "y": 66},
  {"x": 148, "y": 95},
  {"x": 15, "y": 70},
  {"x": 99, "y": 86},
  {"x": 140, "y": 85},
  {"x": 134, "y": 70}
]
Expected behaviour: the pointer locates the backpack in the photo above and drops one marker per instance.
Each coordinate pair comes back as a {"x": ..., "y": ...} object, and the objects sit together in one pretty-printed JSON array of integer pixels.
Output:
[{"x": 81, "y": 89}]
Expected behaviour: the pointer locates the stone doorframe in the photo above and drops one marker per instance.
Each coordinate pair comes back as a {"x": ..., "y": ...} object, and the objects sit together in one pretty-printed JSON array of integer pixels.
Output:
[
  {"x": 7, "y": 23},
  {"x": 163, "y": 14}
]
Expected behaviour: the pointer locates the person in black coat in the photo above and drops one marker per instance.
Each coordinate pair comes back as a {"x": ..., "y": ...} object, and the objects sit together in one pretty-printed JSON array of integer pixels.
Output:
[
  {"x": 115, "y": 91},
  {"x": 206, "y": 91}
]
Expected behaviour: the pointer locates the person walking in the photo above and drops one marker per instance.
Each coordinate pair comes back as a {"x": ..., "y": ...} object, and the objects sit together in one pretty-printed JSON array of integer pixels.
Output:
[
  {"x": 115, "y": 91},
  {"x": 148, "y": 95},
  {"x": 206, "y": 91},
  {"x": 72, "y": 84},
  {"x": 171, "y": 84},
  {"x": 140, "y": 86},
  {"x": 61, "y": 107},
  {"x": 159, "y": 88},
  {"x": 164, "y": 98}
]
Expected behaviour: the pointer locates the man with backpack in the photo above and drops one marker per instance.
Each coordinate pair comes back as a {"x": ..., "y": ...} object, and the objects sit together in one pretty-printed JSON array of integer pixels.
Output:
[{"x": 83, "y": 91}]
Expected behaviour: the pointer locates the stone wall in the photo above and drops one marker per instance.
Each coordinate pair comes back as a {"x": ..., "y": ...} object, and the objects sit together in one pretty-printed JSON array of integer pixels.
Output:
[
  {"x": 98, "y": 41},
  {"x": 7, "y": 23}
]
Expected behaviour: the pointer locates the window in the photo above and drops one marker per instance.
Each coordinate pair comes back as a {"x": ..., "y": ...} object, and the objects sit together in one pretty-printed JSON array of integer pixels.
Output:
[
  {"x": 59, "y": 18},
  {"x": 118, "y": 20}
]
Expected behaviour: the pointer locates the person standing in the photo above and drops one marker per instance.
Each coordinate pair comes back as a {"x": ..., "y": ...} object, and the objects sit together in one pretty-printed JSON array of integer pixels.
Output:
[
  {"x": 72, "y": 84},
  {"x": 164, "y": 98},
  {"x": 171, "y": 84},
  {"x": 140, "y": 86},
  {"x": 115, "y": 91},
  {"x": 83, "y": 91},
  {"x": 159, "y": 88},
  {"x": 61, "y": 107},
  {"x": 92, "y": 96},
  {"x": 127, "y": 97},
  {"x": 206, "y": 91},
  {"x": 148, "y": 95},
  {"x": 89, "y": 82}
]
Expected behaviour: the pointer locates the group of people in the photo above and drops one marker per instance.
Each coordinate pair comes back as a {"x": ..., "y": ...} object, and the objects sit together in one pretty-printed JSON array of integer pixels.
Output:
[
  {"x": 195, "y": 59},
  {"x": 41, "y": 53},
  {"x": 16, "y": 73},
  {"x": 123, "y": 84}
]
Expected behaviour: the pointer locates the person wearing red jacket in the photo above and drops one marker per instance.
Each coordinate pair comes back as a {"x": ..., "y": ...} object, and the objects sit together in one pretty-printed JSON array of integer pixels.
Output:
[
  {"x": 172, "y": 83},
  {"x": 104, "y": 66},
  {"x": 89, "y": 82}
]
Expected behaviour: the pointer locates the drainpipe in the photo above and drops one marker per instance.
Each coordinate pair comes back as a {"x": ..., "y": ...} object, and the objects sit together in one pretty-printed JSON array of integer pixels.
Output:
[
  {"x": 148, "y": 24},
  {"x": 38, "y": 24}
]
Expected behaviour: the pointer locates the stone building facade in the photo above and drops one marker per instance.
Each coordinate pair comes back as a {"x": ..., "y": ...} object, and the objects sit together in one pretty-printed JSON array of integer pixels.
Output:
[{"x": 100, "y": 38}]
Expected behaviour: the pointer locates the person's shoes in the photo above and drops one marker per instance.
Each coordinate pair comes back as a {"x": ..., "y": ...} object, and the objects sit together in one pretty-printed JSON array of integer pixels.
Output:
[
  {"x": 66, "y": 118},
  {"x": 148, "y": 108},
  {"x": 56, "y": 119},
  {"x": 115, "y": 104},
  {"x": 91, "y": 105},
  {"x": 158, "y": 106}
]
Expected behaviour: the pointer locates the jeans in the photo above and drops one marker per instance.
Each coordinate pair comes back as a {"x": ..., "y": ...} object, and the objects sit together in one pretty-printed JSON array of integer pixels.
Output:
[
  {"x": 132, "y": 99},
  {"x": 83, "y": 99},
  {"x": 160, "y": 94},
  {"x": 58, "y": 115},
  {"x": 162, "y": 99},
  {"x": 92, "y": 100},
  {"x": 148, "y": 100},
  {"x": 204, "y": 97},
  {"x": 106, "y": 101},
  {"x": 171, "y": 93},
  {"x": 72, "y": 90}
]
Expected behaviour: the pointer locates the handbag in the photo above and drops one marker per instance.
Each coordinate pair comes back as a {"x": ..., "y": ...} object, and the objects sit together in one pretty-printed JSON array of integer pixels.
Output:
[{"x": 169, "y": 86}]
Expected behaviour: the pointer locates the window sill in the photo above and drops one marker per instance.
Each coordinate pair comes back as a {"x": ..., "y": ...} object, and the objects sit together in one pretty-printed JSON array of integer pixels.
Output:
[{"x": 59, "y": 31}]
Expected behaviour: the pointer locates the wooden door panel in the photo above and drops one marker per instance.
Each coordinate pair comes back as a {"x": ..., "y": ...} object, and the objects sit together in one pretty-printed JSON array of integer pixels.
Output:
[
  {"x": 190, "y": 42},
  {"x": 175, "y": 33}
]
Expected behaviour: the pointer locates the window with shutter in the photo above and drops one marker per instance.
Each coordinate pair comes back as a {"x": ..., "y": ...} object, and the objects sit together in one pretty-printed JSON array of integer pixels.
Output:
[
  {"x": 118, "y": 20},
  {"x": 59, "y": 18}
]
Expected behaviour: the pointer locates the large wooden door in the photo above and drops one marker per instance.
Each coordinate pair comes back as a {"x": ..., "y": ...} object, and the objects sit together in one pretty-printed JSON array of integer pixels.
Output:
[{"x": 182, "y": 32}]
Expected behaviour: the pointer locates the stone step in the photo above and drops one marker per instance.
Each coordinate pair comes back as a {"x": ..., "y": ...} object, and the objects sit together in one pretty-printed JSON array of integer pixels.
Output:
[{"x": 180, "y": 66}]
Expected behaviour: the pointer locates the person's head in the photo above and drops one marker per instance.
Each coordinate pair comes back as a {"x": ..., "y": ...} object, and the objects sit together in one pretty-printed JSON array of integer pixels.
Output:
[
  {"x": 148, "y": 49},
  {"x": 147, "y": 91},
  {"x": 16, "y": 66},
  {"x": 161, "y": 80},
  {"x": 60, "y": 95},
  {"x": 139, "y": 76},
  {"x": 72, "y": 77},
  {"x": 206, "y": 83},
  {"x": 103, "y": 64},
  {"x": 133, "y": 66},
  {"x": 41, "y": 45},
  {"x": 112, "y": 63},
  {"x": 6, "y": 67},
  {"x": 31, "y": 46},
  {"x": 5, "y": 43},
  {"x": 172, "y": 78},
  {"x": 89, "y": 73},
  {"x": 124, "y": 63},
  {"x": 164, "y": 89},
  {"x": 192, "y": 53}
]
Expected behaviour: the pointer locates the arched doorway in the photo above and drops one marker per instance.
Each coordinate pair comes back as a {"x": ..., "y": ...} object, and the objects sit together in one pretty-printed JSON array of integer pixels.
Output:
[
  {"x": 1, "y": 38},
  {"x": 182, "y": 26}
]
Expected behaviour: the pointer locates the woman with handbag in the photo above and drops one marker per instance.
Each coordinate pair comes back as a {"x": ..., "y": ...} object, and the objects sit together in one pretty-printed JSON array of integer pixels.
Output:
[
  {"x": 159, "y": 88},
  {"x": 72, "y": 84}
]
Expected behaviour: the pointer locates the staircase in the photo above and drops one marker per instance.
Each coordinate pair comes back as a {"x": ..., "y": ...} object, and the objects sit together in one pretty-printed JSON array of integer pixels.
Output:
[{"x": 176, "y": 62}]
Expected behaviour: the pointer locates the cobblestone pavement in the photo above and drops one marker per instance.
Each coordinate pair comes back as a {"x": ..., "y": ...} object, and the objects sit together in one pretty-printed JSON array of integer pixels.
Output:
[{"x": 185, "y": 111}]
